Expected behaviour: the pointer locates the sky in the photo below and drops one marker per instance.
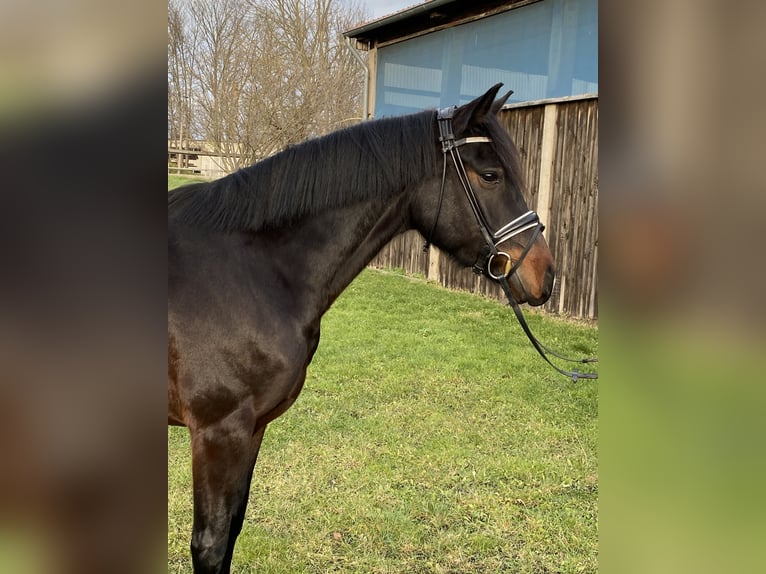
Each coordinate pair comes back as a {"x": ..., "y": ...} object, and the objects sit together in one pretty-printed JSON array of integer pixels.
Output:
[{"x": 380, "y": 8}]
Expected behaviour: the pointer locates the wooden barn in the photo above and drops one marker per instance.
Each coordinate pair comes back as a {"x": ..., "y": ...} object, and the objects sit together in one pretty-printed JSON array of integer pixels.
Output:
[{"x": 444, "y": 52}]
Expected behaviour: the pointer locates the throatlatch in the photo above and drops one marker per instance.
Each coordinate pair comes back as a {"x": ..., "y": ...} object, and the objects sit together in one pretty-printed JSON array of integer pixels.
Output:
[{"x": 483, "y": 264}]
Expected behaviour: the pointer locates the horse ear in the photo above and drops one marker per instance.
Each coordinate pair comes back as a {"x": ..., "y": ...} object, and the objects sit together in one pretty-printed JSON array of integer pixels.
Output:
[
  {"x": 498, "y": 105},
  {"x": 474, "y": 111}
]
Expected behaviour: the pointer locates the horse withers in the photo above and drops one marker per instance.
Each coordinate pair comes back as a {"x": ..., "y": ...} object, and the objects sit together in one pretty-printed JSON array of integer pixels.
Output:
[{"x": 256, "y": 258}]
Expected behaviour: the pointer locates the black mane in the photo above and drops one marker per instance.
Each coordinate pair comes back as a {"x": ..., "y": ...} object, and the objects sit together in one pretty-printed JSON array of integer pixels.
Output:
[{"x": 370, "y": 160}]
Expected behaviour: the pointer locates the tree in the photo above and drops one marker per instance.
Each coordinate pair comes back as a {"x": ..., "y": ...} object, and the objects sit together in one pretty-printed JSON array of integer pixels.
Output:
[
  {"x": 181, "y": 57},
  {"x": 260, "y": 74}
]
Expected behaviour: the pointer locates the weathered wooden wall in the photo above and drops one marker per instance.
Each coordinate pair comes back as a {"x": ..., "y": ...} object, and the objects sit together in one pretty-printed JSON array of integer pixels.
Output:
[
  {"x": 560, "y": 161},
  {"x": 573, "y": 229}
]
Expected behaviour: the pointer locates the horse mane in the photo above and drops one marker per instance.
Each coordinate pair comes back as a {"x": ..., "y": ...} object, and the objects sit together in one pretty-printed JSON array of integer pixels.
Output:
[{"x": 370, "y": 160}]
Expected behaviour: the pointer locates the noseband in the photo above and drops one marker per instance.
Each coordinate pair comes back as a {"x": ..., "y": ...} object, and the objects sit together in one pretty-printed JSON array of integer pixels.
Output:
[{"x": 492, "y": 239}]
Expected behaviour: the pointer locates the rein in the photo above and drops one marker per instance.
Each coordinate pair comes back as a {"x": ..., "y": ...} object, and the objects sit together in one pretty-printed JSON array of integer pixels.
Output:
[{"x": 529, "y": 220}]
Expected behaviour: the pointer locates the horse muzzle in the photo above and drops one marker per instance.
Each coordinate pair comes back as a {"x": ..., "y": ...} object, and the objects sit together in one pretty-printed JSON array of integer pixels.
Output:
[{"x": 532, "y": 283}]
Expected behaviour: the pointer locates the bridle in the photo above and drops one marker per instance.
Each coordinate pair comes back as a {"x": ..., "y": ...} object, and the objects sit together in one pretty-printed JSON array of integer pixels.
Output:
[{"x": 493, "y": 239}]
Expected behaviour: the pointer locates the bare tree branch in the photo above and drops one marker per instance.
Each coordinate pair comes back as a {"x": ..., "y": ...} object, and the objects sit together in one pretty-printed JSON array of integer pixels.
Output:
[{"x": 253, "y": 76}]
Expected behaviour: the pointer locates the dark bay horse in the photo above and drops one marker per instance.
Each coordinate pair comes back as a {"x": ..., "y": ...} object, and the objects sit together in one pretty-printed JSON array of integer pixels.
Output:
[{"x": 256, "y": 258}]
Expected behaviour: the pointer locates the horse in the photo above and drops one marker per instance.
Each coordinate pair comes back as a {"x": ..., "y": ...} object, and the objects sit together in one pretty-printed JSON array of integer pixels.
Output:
[{"x": 257, "y": 257}]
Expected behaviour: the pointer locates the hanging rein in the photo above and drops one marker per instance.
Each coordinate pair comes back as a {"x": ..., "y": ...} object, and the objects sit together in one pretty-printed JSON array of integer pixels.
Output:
[{"x": 483, "y": 264}]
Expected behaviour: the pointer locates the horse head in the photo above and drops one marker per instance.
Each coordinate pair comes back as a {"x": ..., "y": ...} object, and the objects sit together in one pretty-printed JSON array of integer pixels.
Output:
[{"x": 476, "y": 210}]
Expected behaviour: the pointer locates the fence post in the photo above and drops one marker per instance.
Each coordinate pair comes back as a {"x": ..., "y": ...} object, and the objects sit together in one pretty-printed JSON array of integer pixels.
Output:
[
  {"x": 547, "y": 161},
  {"x": 433, "y": 263},
  {"x": 547, "y": 158}
]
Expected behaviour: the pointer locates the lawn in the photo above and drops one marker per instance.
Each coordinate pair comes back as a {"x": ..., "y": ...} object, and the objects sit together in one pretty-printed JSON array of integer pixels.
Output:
[
  {"x": 179, "y": 180},
  {"x": 429, "y": 437}
]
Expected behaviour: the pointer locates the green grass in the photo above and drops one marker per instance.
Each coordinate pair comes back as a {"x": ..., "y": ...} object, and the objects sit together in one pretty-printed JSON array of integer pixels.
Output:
[
  {"x": 429, "y": 437},
  {"x": 179, "y": 180}
]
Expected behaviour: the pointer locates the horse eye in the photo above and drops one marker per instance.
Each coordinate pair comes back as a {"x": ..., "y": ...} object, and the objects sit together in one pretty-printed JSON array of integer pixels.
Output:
[{"x": 490, "y": 177}]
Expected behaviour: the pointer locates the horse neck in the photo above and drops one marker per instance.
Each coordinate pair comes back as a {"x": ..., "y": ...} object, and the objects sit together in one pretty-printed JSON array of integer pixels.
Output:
[{"x": 326, "y": 252}]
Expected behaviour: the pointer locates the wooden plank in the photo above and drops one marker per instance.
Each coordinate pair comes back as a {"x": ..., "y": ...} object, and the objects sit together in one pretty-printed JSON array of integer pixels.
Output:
[{"x": 548, "y": 146}]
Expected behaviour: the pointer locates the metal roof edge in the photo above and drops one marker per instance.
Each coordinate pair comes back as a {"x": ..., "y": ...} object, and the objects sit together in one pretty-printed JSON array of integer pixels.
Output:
[{"x": 396, "y": 17}]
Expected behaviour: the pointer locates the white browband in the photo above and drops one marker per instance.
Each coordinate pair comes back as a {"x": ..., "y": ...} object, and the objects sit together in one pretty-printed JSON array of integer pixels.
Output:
[{"x": 475, "y": 139}]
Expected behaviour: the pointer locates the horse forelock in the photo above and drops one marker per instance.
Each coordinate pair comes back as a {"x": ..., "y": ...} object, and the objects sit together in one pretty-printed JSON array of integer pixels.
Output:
[{"x": 370, "y": 160}]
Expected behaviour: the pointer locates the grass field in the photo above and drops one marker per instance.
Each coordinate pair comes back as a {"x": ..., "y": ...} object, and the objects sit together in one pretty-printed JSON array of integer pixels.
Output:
[
  {"x": 429, "y": 437},
  {"x": 178, "y": 180}
]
